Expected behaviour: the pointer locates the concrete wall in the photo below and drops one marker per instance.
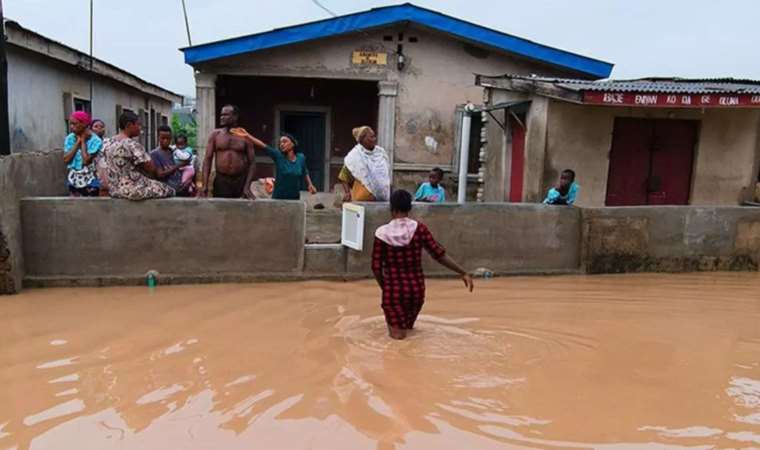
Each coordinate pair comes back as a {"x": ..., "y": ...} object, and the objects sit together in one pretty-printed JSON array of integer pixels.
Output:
[
  {"x": 502, "y": 237},
  {"x": 36, "y": 87},
  {"x": 63, "y": 241},
  {"x": 580, "y": 138},
  {"x": 23, "y": 175},
  {"x": 727, "y": 156},
  {"x": 670, "y": 239},
  {"x": 196, "y": 240},
  {"x": 439, "y": 74}
]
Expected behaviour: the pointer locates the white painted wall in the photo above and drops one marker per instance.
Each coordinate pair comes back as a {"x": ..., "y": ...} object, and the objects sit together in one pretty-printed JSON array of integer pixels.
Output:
[{"x": 36, "y": 87}]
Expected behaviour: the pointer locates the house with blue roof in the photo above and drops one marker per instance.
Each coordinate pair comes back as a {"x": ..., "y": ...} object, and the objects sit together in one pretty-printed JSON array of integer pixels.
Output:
[{"x": 404, "y": 70}]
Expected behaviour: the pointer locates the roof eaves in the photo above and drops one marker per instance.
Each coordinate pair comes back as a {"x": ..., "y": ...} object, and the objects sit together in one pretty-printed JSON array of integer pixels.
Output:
[
  {"x": 390, "y": 15},
  {"x": 137, "y": 81}
]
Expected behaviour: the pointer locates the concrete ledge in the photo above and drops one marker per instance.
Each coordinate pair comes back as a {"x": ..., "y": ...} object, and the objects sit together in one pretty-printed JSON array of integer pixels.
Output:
[
  {"x": 505, "y": 238},
  {"x": 101, "y": 237},
  {"x": 325, "y": 259},
  {"x": 323, "y": 227},
  {"x": 671, "y": 239}
]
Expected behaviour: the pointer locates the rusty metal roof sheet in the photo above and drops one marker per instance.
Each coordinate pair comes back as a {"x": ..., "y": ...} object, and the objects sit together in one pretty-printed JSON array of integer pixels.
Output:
[{"x": 654, "y": 85}]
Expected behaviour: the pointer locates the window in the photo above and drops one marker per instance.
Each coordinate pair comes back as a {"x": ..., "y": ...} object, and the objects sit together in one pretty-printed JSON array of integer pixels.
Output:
[
  {"x": 81, "y": 104},
  {"x": 153, "y": 129},
  {"x": 71, "y": 104}
]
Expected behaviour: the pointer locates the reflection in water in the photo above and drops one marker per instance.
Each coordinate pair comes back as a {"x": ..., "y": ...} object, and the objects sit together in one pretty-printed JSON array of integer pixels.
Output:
[{"x": 612, "y": 362}]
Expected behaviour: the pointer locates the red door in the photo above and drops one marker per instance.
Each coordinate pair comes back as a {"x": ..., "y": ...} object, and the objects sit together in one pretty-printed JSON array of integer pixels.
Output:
[
  {"x": 517, "y": 131},
  {"x": 629, "y": 162},
  {"x": 672, "y": 160},
  {"x": 651, "y": 162}
]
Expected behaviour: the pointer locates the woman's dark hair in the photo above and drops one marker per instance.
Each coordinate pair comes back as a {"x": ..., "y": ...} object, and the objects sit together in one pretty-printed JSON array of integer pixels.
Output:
[
  {"x": 570, "y": 173},
  {"x": 291, "y": 137},
  {"x": 96, "y": 121},
  {"x": 401, "y": 201},
  {"x": 126, "y": 118},
  {"x": 180, "y": 136}
]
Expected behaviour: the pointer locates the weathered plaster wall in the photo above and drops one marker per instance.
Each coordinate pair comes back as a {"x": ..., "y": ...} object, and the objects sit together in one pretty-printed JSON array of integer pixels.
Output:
[
  {"x": 727, "y": 156},
  {"x": 192, "y": 238},
  {"x": 439, "y": 75},
  {"x": 580, "y": 138},
  {"x": 505, "y": 238},
  {"x": 189, "y": 240},
  {"x": 670, "y": 239},
  {"x": 22, "y": 175},
  {"x": 36, "y": 87}
]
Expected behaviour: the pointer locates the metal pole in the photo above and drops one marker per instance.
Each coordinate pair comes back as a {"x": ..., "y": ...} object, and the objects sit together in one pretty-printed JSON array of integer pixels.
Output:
[
  {"x": 5, "y": 138},
  {"x": 187, "y": 24},
  {"x": 92, "y": 100},
  {"x": 464, "y": 154}
]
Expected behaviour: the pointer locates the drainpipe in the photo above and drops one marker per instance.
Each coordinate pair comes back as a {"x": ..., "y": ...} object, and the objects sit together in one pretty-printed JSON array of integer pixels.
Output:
[{"x": 464, "y": 152}]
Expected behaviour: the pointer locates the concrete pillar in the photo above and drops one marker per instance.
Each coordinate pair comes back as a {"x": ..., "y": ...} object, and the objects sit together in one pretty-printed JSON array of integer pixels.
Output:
[
  {"x": 495, "y": 185},
  {"x": 386, "y": 118},
  {"x": 205, "y": 88},
  {"x": 535, "y": 150}
]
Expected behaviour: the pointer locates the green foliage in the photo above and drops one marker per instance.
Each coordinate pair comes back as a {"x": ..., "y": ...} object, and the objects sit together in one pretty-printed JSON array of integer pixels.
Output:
[{"x": 185, "y": 124}]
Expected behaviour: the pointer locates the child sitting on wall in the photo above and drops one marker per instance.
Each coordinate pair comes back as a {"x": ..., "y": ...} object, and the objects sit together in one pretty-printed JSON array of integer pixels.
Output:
[
  {"x": 566, "y": 192},
  {"x": 432, "y": 191}
]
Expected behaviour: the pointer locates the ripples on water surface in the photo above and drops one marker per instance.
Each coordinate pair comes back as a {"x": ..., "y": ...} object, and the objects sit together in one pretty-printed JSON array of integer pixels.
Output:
[{"x": 611, "y": 362}]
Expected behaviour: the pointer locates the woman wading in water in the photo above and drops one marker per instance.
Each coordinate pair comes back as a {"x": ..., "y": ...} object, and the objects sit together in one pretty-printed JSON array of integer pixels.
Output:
[{"x": 397, "y": 265}]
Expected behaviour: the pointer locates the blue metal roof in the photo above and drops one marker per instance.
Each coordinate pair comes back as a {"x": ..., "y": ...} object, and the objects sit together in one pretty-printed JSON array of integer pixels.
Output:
[{"x": 380, "y": 17}]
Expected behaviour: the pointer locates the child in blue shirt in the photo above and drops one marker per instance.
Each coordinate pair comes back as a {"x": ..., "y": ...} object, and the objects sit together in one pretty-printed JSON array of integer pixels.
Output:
[
  {"x": 432, "y": 192},
  {"x": 566, "y": 192}
]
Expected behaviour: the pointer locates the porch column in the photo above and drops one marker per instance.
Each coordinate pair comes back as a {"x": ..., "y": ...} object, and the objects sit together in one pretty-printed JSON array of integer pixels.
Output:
[
  {"x": 535, "y": 150},
  {"x": 386, "y": 118},
  {"x": 205, "y": 89}
]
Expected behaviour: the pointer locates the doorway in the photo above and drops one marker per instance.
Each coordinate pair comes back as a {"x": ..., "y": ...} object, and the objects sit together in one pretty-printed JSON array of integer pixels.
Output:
[
  {"x": 651, "y": 162},
  {"x": 310, "y": 129}
]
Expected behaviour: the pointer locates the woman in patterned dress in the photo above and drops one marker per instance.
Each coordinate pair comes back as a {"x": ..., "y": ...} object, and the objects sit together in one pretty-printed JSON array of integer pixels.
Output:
[
  {"x": 128, "y": 164},
  {"x": 397, "y": 265}
]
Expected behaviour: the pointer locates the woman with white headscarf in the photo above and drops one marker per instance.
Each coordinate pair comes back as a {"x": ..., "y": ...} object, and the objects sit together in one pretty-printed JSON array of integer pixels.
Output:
[{"x": 366, "y": 173}]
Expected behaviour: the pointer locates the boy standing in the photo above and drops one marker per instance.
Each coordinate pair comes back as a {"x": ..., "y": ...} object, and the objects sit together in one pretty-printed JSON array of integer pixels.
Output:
[{"x": 432, "y": 191}]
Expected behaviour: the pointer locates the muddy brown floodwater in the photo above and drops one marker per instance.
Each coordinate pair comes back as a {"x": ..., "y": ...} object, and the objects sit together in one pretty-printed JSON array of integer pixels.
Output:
[{"x": 610, "y": 362}]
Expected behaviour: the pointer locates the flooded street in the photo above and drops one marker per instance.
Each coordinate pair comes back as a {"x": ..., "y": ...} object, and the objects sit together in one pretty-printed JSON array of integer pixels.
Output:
[{"x": 609, "y": 362}]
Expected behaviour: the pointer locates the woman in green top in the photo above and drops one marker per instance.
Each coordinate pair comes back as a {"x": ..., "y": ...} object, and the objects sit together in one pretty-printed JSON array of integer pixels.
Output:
[{"x": 292, "y": 172}]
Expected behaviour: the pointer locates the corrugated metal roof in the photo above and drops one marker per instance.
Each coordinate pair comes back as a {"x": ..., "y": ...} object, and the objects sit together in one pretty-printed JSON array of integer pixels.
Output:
[
  {"x": 654, "y": 85},
  {"x": 389, "y": 15}
]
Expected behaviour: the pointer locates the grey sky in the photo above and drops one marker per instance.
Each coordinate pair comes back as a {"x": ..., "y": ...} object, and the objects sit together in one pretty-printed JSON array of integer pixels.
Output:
[{"x": 685, "y": 38}]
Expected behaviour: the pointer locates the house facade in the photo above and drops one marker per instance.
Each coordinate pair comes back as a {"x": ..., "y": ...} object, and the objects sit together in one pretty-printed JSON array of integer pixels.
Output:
[
  {"x": 660, "y": 141},
  {"x": 48, "y": 80},
  {"x": 404, "y": 70}
]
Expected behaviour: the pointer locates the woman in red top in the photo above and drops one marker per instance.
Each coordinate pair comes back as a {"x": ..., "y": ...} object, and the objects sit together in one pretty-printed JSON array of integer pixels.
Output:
[{"x": 397, "y": 265}]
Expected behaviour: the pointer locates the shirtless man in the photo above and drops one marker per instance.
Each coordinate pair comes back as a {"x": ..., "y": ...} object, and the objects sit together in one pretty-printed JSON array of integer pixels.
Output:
[{"x": 235, "y": 160}]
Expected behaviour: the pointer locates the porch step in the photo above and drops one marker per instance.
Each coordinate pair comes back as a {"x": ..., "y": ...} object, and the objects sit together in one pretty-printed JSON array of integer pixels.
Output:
[
  {"x": 324, "y": 259},
  {"x": 323, "y": 226}
]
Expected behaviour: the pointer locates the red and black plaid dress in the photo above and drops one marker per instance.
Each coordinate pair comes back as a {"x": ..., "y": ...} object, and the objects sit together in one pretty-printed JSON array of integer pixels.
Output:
[{"x": 403, "y": 278}]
